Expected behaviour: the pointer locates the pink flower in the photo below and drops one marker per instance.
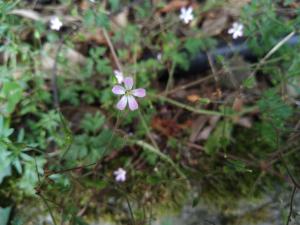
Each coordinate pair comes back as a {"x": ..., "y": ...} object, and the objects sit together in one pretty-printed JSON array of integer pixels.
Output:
[
  {"x": 120, "y": 175},
  {"x": 128, "y": 94}
]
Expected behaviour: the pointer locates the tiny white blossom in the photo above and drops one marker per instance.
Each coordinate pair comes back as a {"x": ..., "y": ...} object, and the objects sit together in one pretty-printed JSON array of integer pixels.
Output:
[
  {"x": 236, "y": 30},
  {"x": 119, "y": 75},
  {"x": 120, "y": 175},
  {"x": 159, "y": 56},
  {"x": 93, "y": 1},
  {"x": 186, "y": 14},
  {"x": 55, "y": 23}
]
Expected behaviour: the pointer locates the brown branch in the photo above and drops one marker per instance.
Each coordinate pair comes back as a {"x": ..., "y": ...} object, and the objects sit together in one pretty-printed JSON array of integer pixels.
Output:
[
  {"x": 112, "y": 49},
  {"x": 70, "y": 169}
]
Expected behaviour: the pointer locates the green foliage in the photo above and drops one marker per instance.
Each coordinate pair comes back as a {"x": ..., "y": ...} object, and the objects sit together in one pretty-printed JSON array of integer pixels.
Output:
[
  {"x": 268, "y": 25},
  {"x": 170, "y": 49},
  {"x": 94, "y": 142},
  {"x": 275, "y": 113},
  {"x": 68, "y": 154},
  {"x": 235, "y": 166},
  {"x": 220, "y": 138},
  {"x": 194, "y": 45}
]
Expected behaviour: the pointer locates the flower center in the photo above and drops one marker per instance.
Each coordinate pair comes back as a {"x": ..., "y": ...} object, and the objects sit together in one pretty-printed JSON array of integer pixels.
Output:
[{"x": 128, "y": 92}]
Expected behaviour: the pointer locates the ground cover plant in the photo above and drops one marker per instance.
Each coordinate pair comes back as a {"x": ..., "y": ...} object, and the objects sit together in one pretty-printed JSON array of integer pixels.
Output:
[{"x": 103, "y": 115}]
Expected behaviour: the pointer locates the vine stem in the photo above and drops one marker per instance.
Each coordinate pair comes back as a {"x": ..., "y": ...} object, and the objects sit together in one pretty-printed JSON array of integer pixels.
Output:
[
  {"x": 205, "y": 111},
  {"x": 49, "y": 209},
  {"x": 156, "y": 151},
  {"x": 130, "y": 211},
  {"x": 271, "y": 52},
  {"x": 148, "y": 130},
  {"x": 190, "y": 108},
  {"x": 170, "y": 82},
  {"x": 291, "y": 205},
  {"x": 41, "y": 195},
  {"x": 112, "y": 49}
]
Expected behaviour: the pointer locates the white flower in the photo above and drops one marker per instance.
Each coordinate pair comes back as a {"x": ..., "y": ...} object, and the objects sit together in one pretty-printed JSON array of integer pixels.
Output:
[
  {"x": 93, "y": 1},
  {"x": 186, "y": 14},
  {"x": 55, "y": 23},
  {"x": 119, "y": 75},
  {"x": 120, "y": 175},
  {"x": 128, "y": 94},
  {"x": 236, "y": 30},
  {"x": 159, "y": 56}
]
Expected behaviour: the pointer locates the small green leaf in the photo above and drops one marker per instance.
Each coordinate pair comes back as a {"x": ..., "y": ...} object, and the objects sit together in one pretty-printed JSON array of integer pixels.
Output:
[
  {"x": 204, "y": 101},
  {"x": 250, "y": 82}
]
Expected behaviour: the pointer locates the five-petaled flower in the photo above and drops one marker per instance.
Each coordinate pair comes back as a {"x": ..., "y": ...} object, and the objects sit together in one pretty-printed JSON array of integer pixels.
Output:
[
  {"x": 55, "y": 23},
  {"x": 128, "y": 94},
  {"x": 120, "y": 175},
  {"x": 119, "y": 75},
  {"x": 186, "y": 14},
  {"x": 236, "y": 30}
]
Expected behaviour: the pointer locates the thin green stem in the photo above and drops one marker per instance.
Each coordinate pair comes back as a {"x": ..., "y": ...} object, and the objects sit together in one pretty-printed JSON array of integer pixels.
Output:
[
  {"x": 170, "y": 82},
  {"x": 147, "y": 129},
  {"x": 156, "y": 151},
  {"x": 49, "y": 209},
  {"x": 130, "y": 211},
  {"x": 42, "y": 197},
  {"x": 190, "y": 108}
]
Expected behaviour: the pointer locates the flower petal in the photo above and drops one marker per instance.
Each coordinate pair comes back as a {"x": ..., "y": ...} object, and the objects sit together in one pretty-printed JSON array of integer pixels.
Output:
[
  {"x": 120, "y": 175},
  {"x": 140, "y": 92},
  {"x": 181, "y": 17},
  {"x": 122, "y": 103},
  {"x": 118, "y": 90},
  {"x": 119, "y": 76},
  {"x": 55, "y": 23},
  {"x": 182, "y": 11},
  {"x": 189, "y": 10},
  {"x": 128, "y": 81},
  {"x": 133, "y": 105},
  {"x": 231, "y": 31}
]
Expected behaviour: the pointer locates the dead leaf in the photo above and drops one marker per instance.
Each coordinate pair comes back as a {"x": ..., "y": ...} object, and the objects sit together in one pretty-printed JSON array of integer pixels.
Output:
[
  {"x": 91, "y": 36},
  {"x": 295, "y": 5},
  {"x": 215, "y": 23},
  {"x": 197, "y": 126},
  {"x": 28, "y": 13},
  {"x": 217, "y": 94},
  {"x": 234, "y": 7},
  {"x": 245, "y": 122},
  {"x": 74, "y": 58},
  {"x": 33, "y": 15},
  {"x": 238, "y": 104},
  {"x": 207, "y": 131},
  {"x": 193, "y": 98},
  {"x": 169, "y": 127},
  {"x": 174, "y": 5},
  {"x": 84, "y": 5},
  {"x": 120, "y": 20}
]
